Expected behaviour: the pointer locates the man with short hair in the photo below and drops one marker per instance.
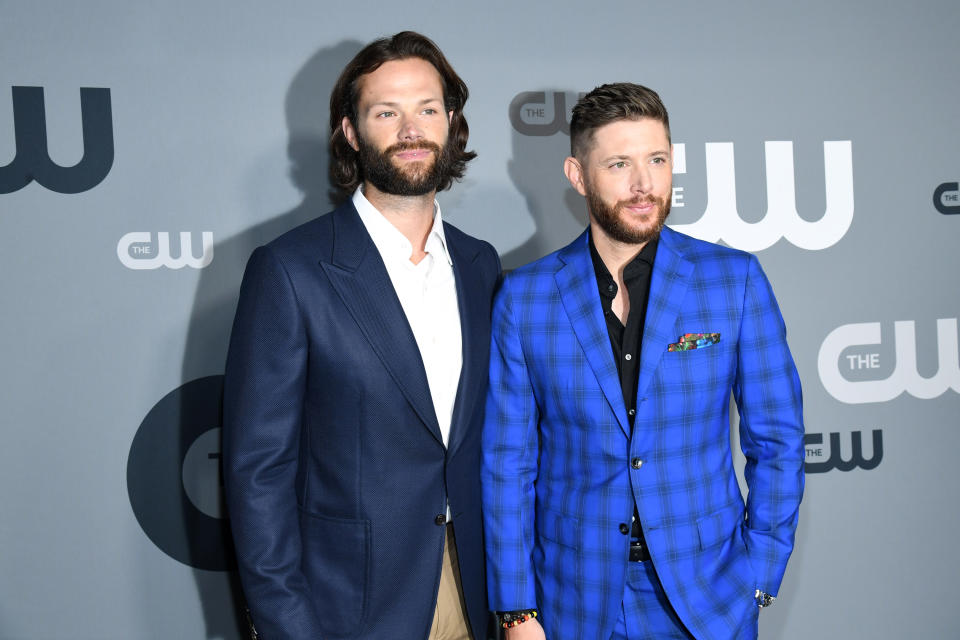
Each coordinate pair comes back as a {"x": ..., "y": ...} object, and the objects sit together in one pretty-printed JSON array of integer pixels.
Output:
[
  {"x": 356, "y": 375},
  {"x": 611, "y": 507}
]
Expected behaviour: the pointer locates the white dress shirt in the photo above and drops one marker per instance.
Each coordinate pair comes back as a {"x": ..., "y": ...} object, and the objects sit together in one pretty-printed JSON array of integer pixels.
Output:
[{"x": 428, "y": 295}]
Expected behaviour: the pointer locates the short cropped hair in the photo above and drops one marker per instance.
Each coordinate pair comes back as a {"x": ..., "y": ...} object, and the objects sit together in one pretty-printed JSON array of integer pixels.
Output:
[
  {"x": 345, "y": 170},
  {"x": 611, "y": 103}
]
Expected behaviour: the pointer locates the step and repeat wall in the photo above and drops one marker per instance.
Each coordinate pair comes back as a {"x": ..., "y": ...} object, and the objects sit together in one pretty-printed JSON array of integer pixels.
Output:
[{"x": 146, "y": 150}]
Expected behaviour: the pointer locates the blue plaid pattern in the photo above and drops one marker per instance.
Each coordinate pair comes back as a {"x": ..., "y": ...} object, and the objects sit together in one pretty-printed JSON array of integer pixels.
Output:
[
  {"x": 646, "y": 613},
  {"x": 561, "y": 468}
]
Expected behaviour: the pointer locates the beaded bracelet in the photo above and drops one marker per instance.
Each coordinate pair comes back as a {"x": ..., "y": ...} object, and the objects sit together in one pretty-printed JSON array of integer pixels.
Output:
[{"x": 513, "y": 618}]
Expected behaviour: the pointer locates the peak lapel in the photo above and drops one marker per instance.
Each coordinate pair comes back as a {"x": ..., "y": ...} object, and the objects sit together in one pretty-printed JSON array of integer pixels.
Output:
[
  {"x": 668, "y": 286},
  {"x": 360, "y": 278},
  {"x": 577, "y": 283},
  {"x": 475, "y": 339}
]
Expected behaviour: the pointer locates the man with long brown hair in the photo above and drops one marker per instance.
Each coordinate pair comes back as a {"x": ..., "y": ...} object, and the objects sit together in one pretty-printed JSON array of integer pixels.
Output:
[{"x": 356, "y": 376}]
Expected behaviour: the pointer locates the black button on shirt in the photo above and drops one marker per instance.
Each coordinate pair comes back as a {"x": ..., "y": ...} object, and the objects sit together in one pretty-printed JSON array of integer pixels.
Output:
[{"x": 625, "y": 340}]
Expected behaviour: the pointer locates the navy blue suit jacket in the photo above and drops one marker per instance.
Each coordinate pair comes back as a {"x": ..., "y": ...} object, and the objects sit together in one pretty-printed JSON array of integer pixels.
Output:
[{"x": 334, "y": 466}]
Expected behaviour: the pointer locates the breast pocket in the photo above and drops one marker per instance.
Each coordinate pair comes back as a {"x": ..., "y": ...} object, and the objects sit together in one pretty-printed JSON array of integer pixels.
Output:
[{"x": 708, "y": 365}]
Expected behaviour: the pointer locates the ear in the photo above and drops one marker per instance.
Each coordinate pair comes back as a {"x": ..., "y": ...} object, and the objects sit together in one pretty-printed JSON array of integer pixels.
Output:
[
  {"x": 450, "y": 117},
  {"x": 349, "y": 133},
  {"x": 574, "y": 173}
]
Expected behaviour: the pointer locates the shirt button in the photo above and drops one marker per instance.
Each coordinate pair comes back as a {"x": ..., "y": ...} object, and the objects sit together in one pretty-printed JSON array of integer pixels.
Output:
[
  {"x": 611, "y": 288},
  {"x": 440, "y": 520},
  {"x": 624, "y": 529},
  {"x": 628, "y": 357},
  {"x": 636, "y": 463},
  {"x": 631, "y": 412}
]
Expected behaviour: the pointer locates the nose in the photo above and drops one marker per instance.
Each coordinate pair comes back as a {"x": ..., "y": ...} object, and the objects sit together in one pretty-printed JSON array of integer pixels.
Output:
[
  {"x": 409, "y": 130},
  {"x": 641, "y": 180}
]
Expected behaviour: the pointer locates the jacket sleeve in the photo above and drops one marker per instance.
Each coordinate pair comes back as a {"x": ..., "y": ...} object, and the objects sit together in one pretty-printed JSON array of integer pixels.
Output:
[
  {"x": 509, "y": 464},
  {"x": 768, "y": 396},
  {"x": 263, "y": 399}
]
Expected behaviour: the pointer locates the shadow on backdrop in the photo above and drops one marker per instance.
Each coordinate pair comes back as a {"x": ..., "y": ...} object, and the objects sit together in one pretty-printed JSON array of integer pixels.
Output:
[
  {"x": 536, "y": 169},
  {"x": 306, "y": 110}
]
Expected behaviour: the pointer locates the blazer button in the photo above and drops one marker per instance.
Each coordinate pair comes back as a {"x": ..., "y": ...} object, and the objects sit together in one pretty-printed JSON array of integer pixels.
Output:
[
  {"x": 636, "y": 463},
  {"x": 624, "y": 529},
  {"x": 440, "y": 520}
]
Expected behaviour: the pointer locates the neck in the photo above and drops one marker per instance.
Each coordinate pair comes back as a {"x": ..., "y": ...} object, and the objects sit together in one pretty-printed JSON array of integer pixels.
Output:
[
  {"x": 615, "y": 254},
  {"x": 411, "y": 215}
]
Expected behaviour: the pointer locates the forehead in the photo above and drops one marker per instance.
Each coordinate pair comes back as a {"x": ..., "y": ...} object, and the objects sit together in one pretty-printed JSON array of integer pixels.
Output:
[
  {"x": 630, "y": 137},
  {"x": 400, "y": 80}
]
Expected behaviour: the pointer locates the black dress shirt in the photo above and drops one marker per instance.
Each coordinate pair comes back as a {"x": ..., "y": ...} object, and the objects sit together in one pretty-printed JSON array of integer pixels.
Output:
[{"x": 625, "y": 340}]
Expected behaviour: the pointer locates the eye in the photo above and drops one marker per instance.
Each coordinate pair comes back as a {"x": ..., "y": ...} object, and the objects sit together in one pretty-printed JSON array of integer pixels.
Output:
[
  {"x": 429, "y": 111},
  {"x": 620, "y": 164},
  {"x": 386, "y": 114},
  {"x": 659, "y": 160}
]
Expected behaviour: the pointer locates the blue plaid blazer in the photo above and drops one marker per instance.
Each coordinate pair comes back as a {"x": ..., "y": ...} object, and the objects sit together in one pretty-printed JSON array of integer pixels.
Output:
[{"x": 561, "y": 470}]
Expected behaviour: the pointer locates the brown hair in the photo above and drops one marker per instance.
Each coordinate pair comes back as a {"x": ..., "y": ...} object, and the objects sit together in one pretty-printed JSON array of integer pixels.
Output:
[
  {"x": 345, "y": 169},
  {"x": 610, "y": 103}
]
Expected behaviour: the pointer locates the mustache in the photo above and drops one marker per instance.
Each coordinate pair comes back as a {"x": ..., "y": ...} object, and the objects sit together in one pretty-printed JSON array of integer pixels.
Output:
[
  {"x": 649, "y": 198},
  {"x": 412, "y": 146}
]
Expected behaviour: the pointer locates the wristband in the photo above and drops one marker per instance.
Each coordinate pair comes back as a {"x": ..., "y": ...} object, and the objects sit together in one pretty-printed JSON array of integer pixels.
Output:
[{"x": 509, "y": 619}]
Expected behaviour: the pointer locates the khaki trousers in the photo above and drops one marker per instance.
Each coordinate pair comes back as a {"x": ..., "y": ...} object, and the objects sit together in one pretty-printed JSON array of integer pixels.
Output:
[{"x": 450, "y": 614}]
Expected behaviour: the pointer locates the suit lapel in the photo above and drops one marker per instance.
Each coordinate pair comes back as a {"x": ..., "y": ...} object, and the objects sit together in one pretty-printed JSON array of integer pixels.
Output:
[
  {"x": 668, "y": 286},
  {"x": 577, "y": 284},
  {"x": 360, "y": 278},
  {"x": 471, "y": 307}
]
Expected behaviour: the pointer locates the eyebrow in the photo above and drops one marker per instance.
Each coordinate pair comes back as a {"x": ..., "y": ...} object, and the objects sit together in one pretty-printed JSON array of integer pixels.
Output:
[
  {"x": 619, "y": 157},
  {"x": 616, "y": 158},
  {"x": 396, "y": 105}
]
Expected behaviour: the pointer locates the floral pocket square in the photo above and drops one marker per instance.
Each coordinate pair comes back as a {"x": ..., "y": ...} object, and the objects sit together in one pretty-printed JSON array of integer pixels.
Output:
[{"x": 689, "y": 341}]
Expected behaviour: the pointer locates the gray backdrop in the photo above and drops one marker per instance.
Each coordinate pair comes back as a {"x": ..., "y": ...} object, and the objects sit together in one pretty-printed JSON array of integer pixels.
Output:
[{"x": 821, "y": 135}]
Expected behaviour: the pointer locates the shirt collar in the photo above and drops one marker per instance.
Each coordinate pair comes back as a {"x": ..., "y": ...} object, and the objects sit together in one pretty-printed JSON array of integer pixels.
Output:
[
  {"x": 388, "y": 239},
  {"x": 643, "y": 259}
]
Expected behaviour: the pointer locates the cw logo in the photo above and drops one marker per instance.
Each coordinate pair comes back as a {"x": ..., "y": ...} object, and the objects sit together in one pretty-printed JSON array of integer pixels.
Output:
[
  {"x": 174, "y": 480},
  {"x": 542, "y": 113},
  {"x": 531, "y": 114},
  {"x": 946, "y": 198},
  {"x": 720, "y": 220},
  {"x": 137, "y": 251},
  {"x": 836, "y": 461},
  {"x": 32, "y": 159},
  {"x": 904, "y": 378}
]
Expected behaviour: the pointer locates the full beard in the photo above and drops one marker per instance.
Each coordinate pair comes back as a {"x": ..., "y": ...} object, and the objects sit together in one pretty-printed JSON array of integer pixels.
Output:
[
  {"x": 415, "y": 179},
  {"x": 614, "y": 220}
]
